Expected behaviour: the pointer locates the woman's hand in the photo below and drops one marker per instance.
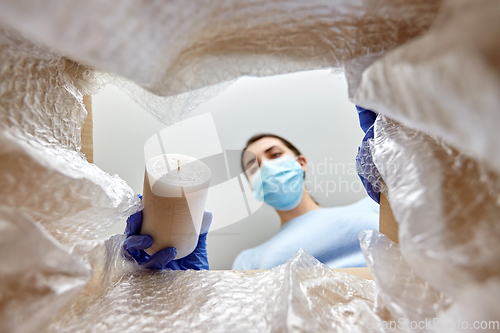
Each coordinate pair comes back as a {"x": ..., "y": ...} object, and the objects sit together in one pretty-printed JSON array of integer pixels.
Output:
[{"x": 136, "y": 244}]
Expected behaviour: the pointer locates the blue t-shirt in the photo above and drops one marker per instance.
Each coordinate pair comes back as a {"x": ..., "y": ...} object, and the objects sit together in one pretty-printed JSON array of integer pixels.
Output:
[{"x": 329, "y": 234}]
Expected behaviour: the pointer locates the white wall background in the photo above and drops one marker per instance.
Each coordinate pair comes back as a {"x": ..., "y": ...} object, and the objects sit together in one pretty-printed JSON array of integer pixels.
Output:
[{"x": 310, "y": 109}]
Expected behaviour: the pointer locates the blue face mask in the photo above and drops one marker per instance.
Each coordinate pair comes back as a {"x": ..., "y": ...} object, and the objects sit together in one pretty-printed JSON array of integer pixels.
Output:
[{"x": 279, "y": 183}]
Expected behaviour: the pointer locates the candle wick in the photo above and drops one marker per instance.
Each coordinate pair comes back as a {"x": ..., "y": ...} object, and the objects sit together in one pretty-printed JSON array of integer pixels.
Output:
[{"x": 178, "y": 165}]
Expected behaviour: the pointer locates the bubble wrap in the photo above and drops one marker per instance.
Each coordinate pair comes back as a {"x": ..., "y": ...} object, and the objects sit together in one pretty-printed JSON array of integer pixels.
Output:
[
  {"x": 302, "y": 295},
  {"x": 436, "y": 150},
  {"x": 446, "y": 82},
  {"x": 440, "y": 163},
  {"x": 37, "y": 276},
  {"x": 449, "y": 232},
  {"x": 401, "y": 292},
  {"x": 41, "y": 167},
  {"x": 167, "y": 110},
  {"x": 172, "y": 47},
  {"x": 366, "y": 168}
]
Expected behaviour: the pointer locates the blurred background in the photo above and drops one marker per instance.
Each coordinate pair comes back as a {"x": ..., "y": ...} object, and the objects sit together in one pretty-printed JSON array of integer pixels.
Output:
[{"x": 310, "y": 109}]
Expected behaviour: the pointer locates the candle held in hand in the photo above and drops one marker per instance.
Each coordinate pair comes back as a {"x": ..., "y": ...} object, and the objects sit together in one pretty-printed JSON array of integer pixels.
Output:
[{"x": 174, "y": 196}]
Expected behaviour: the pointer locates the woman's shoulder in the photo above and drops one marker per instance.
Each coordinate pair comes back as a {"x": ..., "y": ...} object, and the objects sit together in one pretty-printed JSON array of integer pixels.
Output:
[
  {"x": 253, "y": 258},
  {"x": 248, "y": 258},
  {"x": 243, "y": 261},
  {"x": 362, "y": 214},
  {"x": 364, "y": 205}
]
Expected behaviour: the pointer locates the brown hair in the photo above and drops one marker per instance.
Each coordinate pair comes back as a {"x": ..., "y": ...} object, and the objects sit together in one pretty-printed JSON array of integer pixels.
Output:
[
  {"x": 257, "y": 137},
  {"x": 287, "y": 143}
]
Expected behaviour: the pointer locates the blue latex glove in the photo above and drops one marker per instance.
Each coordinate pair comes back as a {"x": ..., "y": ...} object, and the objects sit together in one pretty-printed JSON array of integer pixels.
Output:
[
  {"x": 367, "y": 121},
  {"x": 135, "y": 244}
]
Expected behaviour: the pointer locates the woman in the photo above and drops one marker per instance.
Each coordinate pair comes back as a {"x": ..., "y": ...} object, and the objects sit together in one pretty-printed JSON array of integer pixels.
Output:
[{"x": 276, "y": 171}]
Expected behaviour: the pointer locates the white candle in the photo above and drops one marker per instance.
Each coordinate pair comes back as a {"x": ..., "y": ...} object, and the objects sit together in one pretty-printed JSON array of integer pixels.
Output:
[{"x": 174, "y": 196}]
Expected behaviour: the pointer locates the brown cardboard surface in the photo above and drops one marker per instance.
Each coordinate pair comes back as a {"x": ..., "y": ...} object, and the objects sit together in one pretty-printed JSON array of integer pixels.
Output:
[
  {"x": 362, "y": 272},
  {"x": 387, "y": 223},
  {"x": 88, "y": 130}
]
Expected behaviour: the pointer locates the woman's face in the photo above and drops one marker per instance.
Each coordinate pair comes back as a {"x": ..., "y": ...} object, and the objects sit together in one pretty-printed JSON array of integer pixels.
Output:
[{"x": 267, "y": 148}]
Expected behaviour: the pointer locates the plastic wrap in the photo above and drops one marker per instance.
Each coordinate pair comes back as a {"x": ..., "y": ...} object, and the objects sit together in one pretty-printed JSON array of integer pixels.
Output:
[
  {"x": 366, "y": 168},
  {"x": 446, "y": 205},
  {"x": 41, "y": 167},
  {"x": 446, "y": 82},
  {"x": 401, "y": 292},
  {"x": 444, "y": 194},
  {"x": 443, "y": 187},
  {"x": 440, "y": 162},
  {"x": 302, "y": 295},
  {"x": 172, "y": 47},
  {"x": 170, "y": 109},
  {"x": 37, "y": 277}
]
